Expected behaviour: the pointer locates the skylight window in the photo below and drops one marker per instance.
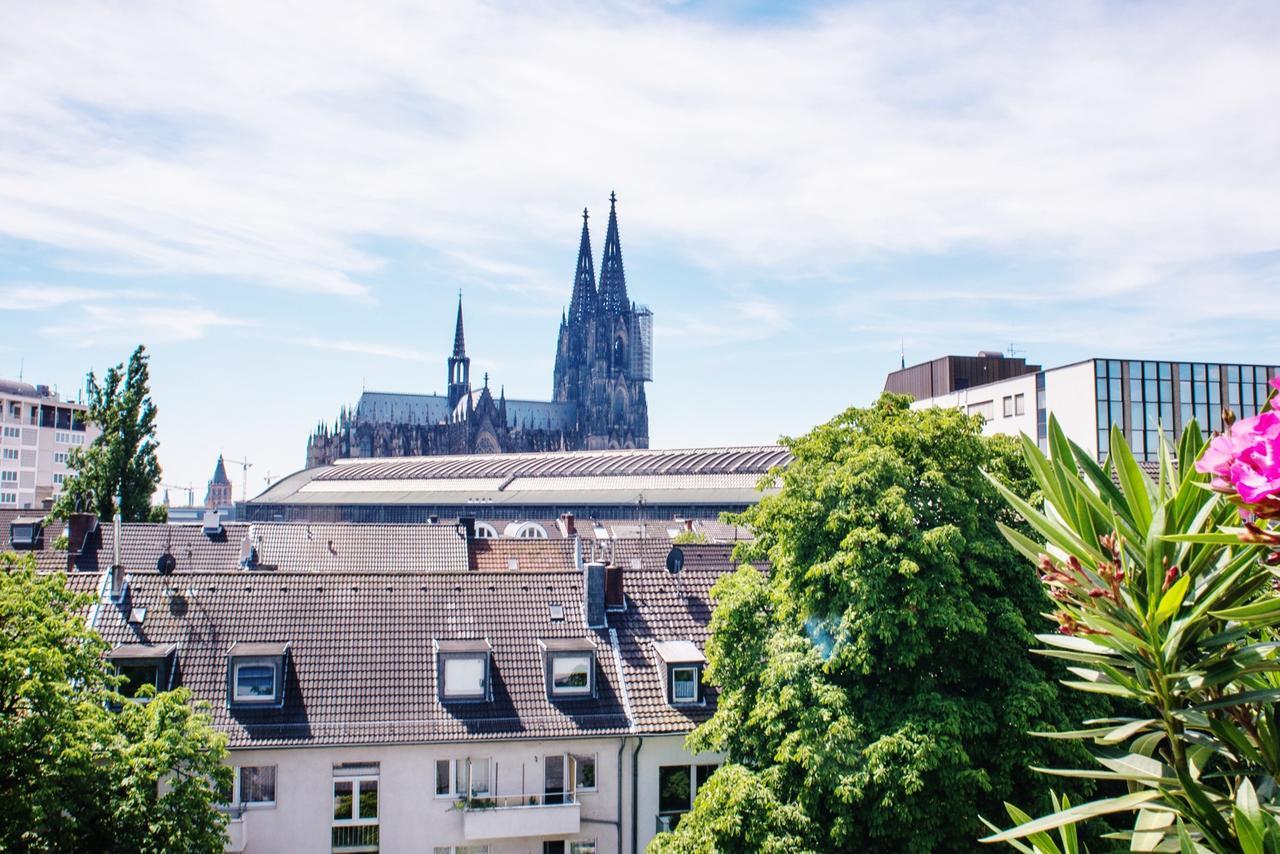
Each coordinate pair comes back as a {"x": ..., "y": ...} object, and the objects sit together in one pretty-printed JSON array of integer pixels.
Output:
[
  {"x": 255, "y": 682},
  {"x": 256, "y": 674},
  {"x": 570, "y": 667}
]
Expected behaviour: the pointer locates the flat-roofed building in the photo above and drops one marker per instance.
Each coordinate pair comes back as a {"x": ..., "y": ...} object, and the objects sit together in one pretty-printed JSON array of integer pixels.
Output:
[
  {"x": 629, "y": 484},
  {"x": 1141, "y": 397},
  {"x": 38, "y": 431}
]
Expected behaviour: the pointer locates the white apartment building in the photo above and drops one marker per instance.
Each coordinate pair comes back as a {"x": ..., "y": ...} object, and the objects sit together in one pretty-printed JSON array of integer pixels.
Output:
[
  {"x": 38, "y": 431},
  {"x": 411, "y": 688},
  {"x": 1142, "y": 397}
]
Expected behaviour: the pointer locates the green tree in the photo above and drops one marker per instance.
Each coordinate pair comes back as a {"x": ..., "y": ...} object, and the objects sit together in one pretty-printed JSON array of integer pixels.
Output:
[
  {"x": 122, "y": 460},
  {"x": 875, "y": 686},
  {"x": 75, "y": 774}
]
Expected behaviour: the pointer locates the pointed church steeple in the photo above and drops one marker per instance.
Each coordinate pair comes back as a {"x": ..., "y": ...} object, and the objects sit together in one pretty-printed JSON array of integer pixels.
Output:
[
  {"x": 459, "y": 364},
  {"x": 613, "y": 280},
  {"x": 584, "y": 300},
  {"x": 459, "y": 339}
]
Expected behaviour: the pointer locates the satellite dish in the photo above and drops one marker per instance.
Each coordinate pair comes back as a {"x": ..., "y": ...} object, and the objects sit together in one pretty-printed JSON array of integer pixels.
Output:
[
  {"x": 675, "y": 560},
  {"x": 166, "y": 564}
]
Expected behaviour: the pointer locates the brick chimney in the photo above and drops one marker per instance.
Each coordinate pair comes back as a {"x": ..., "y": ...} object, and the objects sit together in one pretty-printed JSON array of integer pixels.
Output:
[{"x": 567, "y": 520}]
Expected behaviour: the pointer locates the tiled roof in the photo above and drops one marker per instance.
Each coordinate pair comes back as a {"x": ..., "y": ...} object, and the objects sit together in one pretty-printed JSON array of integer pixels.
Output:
[
  {"x": 359, "y": 548},
  {"x": 529, "y": 555},
  {"x": 361, "y": 666},
  {"x": 361, "y": 663}
]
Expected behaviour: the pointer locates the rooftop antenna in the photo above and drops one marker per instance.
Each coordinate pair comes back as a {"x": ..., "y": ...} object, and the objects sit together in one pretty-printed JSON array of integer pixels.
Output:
[
  {"x": 1014, "y": 351},
  {"x": 902, "y": 351},
  {"x": 22, "y": 363}
]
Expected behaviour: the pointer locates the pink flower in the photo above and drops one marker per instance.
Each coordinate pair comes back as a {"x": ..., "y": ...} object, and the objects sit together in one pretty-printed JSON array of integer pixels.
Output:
[{"x": 1246, "y": 459}]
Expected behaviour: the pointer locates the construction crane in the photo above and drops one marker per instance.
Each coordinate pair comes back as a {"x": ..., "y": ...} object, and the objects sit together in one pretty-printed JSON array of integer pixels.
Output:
[
  {"x": 245, "y": 465},
  {"x": 188, "y": 489}
]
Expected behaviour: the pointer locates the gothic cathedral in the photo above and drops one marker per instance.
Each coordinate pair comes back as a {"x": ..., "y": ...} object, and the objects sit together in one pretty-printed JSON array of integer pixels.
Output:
[{"x": 604, "y": 357}]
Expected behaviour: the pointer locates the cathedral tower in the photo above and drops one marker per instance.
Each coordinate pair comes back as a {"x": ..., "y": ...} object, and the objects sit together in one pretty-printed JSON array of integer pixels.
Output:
[{"x": 459, "y": 364}]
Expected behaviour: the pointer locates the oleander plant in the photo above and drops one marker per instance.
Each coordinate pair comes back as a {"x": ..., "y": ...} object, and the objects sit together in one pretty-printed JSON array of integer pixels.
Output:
[{"x": 1164, "y": 594}]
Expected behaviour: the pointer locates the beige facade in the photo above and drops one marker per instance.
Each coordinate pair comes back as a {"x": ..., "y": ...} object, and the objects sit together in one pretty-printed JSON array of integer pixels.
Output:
[
  {"x": 38, "y": 431},
  {"x": 520, "y": 797}
]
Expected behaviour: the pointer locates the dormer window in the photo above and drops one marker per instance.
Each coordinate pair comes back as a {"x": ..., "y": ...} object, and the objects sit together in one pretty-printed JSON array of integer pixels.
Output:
[
  {"x": 570, "y": 665},
  {"x": 683, "y": 663},
  {"x": 25, "y": 534},
  {"x": 463, "y": 669},
  {"x": 255, "y": 674},
  {"x": 142, "y": 664}
]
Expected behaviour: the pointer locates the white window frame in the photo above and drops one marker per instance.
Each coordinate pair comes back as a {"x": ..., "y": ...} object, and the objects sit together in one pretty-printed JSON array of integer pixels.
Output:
[
  {"x": 448, "y": 694},
  {"x": 12, "y": 433},
  {"x": 8, "y": 476},
  {"x": 573, "y": 691},
  {"x": 579, "y": 846},
  {"x": 577, "y": 763},
  {"x": 240, "y": 663},
  {"x": 1007, "y": 406},
  {"x": 11, "y": 453},
  {"x": 677, "y": 668},
  {"x": 1019, "y": 404},
  {"x": 356, "y": 820},
  {"x": 8, "y": 498},
  {"x": 237, "y": 791},
  {"x": 465, "y": 767}
]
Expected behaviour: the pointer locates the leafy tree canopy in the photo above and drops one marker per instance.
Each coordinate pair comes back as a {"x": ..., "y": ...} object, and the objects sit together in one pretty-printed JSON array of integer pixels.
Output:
[
  {"x": 875, "y": 687},
  {"x": 76, "y": 775},
  {"x": 122, "y": 460}
]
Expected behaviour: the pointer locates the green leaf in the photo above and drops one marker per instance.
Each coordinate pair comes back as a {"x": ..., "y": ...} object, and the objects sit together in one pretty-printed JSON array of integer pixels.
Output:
[
  {"x": 1265, "y": 612},
  {"x": 1171, "y": 601},
  {"x": 1150, "y": 829},
  {"x": 1124, "y": 803},
  {"x": 1133, "y": 483},
  {"x": 1124, "y": 733}
]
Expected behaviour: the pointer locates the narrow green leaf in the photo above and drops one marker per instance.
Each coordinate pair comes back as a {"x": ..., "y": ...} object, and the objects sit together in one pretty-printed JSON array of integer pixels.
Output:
[
  {"x": 1124, "y": 803},
  {"x": 1133, "y": 483},
  {"x": 1171, "y": 601},
  {"x": 1124, "y": 733},
  {"x": 1257, "y": 613},
  {"x": 1268, "y": 695}
]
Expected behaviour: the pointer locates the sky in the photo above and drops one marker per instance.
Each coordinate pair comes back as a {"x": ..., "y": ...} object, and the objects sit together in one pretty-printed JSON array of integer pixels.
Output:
[{"x": 282, "y": 201}]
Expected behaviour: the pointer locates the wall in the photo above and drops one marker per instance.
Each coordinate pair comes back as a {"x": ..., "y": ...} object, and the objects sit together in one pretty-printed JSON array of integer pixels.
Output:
[
  {"x": 411, "y": 817},
  {"x": 654, "y": 753},
  {"x": 1072, "y": 398},
  {"x": 973, "y": 399}
]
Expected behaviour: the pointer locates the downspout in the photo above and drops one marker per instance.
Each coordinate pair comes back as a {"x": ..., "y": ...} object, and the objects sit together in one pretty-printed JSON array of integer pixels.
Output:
[
  {"x": 622, "y": 745},
  {"x": 635, "y": 793}
]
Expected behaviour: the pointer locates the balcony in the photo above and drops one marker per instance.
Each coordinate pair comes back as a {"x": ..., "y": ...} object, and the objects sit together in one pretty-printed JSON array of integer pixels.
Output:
[
  {"x": 237, "y": 839},
  {"x": 518, "y": 816}
]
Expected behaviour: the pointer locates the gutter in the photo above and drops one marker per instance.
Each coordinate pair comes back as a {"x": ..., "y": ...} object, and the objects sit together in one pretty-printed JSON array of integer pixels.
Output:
[
  {"x": 635, "y": 793},
  {"x": 622, "y": 745}
]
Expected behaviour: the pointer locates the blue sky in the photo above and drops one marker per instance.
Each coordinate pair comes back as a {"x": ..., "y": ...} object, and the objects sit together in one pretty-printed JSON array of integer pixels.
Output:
[{"x": 282, "y": 200}]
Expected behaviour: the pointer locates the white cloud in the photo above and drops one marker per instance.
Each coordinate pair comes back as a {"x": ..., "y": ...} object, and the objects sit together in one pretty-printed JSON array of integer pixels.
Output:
[
  {"x": 98, "y": 324},
  {"x": 369, "y": 348},
  {"x": 34, "y": 297},
  {"x": 267, "y": 142}
]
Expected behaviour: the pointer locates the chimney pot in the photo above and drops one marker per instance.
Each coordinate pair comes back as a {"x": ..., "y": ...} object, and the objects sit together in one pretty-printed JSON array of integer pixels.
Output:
[
  {"x": 569, "y": 529},
  {"x": 613, "y": 595}
]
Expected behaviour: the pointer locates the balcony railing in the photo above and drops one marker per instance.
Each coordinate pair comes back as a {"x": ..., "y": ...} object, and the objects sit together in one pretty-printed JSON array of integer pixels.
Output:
[
  {"x": 353, "y": 838},
  {"x": 518, "y": 816}
]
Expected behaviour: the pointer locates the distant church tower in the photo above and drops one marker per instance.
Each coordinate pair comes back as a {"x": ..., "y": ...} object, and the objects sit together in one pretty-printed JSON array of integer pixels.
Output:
[
  {"x": 459, "y": 364},
  {"x": 604, "y": 356},
  {"x": 219, "y": 492}
]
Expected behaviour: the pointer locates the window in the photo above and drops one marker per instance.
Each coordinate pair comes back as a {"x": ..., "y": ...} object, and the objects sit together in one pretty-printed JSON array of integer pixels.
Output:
[
  {"x": 256, "y": 673},
  {"x": 8, "y": 476},
  {"x": 572, "y": 846},
  {"x": 59, "y": 479},
  {"x": 464, "y": 677},
  {"x": 462, "y": 778},
  {"x": 255, "y": 681},
  {"x": 10, "y": 453},
  {"x": 355, "y": 808},
  {"x": 461, "y": 849},
  {"x": 60, "y": 457},
  {"x": 15, "y": 410},
  {"x": 8, "y": 498},
  {"x": 986, "y": 409},
  {"x": 684, "y": 684},
  {"x": 255, "y": 785},
  {"x": 137, "y": 674},
  {"x": 571, "y": 674},
  {"x": 1019, "y": 404},
  {"x": 585, "y": 775},
  {"x": 678, "y": 785},
  {"x": 1008, "y": 407},
  {"x": 12, "y": 432}
]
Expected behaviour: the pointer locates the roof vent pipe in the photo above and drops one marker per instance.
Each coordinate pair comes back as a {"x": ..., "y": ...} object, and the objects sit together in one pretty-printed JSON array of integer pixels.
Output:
[
  {"x": 117, "y": 569},
  {"x": 594, "y": 608}
]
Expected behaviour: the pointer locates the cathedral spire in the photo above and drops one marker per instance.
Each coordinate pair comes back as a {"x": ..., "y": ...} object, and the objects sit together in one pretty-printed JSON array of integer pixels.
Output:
[
  {"x": 583, "y": 303},
  {"x": 459, "y": 340},
  {"x": 613, "y": 280}
]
